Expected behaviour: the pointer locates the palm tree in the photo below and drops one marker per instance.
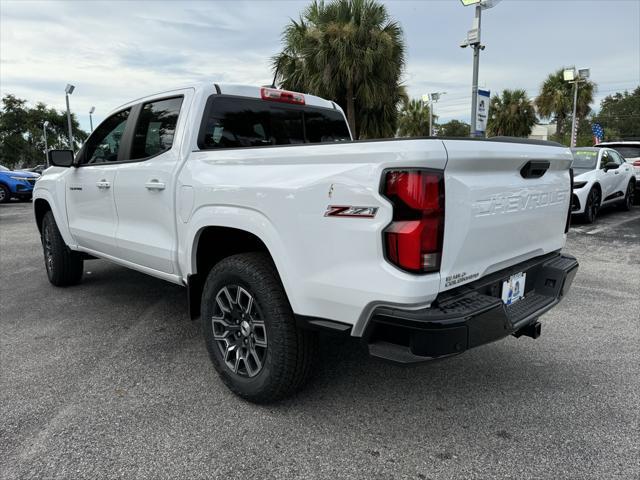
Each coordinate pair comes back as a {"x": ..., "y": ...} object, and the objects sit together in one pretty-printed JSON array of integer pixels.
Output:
[
  {"x": 349, "y": 51},
  {"x": 556, "y": 99},
  {"x": 511, "y": 114},
  {"x": 414, "y": 119}
]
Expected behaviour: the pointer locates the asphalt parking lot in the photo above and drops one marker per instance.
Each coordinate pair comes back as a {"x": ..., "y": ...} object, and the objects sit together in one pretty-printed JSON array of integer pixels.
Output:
[{"x": 111, "y": 379}]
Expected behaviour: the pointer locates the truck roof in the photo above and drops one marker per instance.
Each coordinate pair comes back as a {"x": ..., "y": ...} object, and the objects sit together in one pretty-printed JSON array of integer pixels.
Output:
[{"x": 248, "y": 91}]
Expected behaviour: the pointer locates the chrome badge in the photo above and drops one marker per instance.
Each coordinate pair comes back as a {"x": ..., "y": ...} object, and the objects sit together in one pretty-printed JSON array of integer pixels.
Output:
[{"x": 347, "y": 211}]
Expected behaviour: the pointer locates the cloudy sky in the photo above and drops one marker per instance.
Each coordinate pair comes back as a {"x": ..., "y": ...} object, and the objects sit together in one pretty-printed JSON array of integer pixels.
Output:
[{"x": 117, "y": 51}]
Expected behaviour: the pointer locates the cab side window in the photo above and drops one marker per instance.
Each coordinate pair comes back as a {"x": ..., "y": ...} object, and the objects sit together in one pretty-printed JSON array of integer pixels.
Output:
[
  {"x": 155, "y": 128},
  {"x": 103, "y": 145}
]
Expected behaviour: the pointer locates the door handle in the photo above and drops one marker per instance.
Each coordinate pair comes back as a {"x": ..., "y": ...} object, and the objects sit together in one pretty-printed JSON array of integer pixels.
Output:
[
  {"x": 103, "y": 184},
  {"x": 617, "y": 173},
  {"x": 155, "y": 185}
]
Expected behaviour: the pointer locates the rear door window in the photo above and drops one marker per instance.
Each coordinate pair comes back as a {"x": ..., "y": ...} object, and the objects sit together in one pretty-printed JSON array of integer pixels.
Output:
[
  {"x": 156, "y": 127},
  {"x": 234, "y": 122}
]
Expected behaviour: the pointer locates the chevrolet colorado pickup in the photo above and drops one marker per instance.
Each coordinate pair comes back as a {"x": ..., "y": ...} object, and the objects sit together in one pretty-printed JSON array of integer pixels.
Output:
[{"x": 279, "y": 225}]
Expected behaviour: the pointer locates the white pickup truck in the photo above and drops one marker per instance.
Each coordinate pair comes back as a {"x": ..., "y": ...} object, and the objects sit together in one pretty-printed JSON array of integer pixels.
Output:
[{"x": 279, "y": 225}]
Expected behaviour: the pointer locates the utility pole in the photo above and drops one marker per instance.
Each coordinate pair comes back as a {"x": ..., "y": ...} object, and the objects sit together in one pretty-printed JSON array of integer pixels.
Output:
[
  {"x": 68, "y": 91},
  {"x": 476, "y": 67},
  {"x": 473, "y": 41},
  {"x": 46, "y": 147}
]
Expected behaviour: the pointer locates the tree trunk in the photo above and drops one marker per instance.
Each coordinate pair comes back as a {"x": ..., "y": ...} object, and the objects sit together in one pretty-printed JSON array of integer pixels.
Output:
[
  {"x": 559, "y": 122},
  {"x": 351, "y": 111}
]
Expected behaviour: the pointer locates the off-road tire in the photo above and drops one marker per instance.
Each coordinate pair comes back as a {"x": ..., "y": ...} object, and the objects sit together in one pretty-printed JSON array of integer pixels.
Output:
[
  {"x": 64, "y": 267},
  {"x": 290, "y": 351}
]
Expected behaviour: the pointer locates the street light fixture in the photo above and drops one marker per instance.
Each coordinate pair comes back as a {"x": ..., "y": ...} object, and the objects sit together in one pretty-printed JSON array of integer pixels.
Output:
[
  {"x": 570, "y": 75},
  {"x": 432, "y": 98},
  {"x": 91, "y": 110},
  {"x": 68, "y": 90},
  {"x": 473, "y": 41}
]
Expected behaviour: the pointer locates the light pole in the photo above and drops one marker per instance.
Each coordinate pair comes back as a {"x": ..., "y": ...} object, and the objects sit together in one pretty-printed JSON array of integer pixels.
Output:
[
  {"x": 91, "y": 110},
  {"x": 68, "y": 90},
  {"x": 46, "y": 147},
  {"x": 433, "y": 98},
  {"x": 571, "y": 76},
  {"x": 473, "y": 41}
]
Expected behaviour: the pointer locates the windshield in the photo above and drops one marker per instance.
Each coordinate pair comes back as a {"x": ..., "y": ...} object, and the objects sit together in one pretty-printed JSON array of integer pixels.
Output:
[
  {"x": 584, "y": 160},
  {"x": 4, "y": 169},
  {"x": 627, "y": 151}
]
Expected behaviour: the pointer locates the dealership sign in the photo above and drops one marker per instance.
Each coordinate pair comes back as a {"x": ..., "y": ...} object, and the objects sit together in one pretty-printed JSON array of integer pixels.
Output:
[{"x": 482, "y": 114}]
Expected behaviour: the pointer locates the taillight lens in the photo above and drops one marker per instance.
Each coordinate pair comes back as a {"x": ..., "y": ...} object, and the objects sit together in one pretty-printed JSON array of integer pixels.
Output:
[
  {"x": 413, "y": 240},
  {"x": 636, "y": 163}
]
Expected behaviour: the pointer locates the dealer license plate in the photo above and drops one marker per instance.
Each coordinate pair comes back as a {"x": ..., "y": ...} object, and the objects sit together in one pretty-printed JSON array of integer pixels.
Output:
[{"x": 513, "y": 288}]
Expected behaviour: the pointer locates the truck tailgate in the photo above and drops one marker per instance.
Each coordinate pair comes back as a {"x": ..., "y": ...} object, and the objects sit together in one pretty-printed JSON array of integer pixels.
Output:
[{"x": 497, "y": 216}]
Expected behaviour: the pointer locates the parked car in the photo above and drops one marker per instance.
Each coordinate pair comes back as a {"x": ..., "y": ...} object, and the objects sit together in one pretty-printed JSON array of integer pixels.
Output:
[
  {"x": 16, "y": 184},
  {"x": 601, "y": 177},
  {"x": 279, "y": 225},
  {"x": 37, "y": 169},
  {"x": 630, "y": 150}
]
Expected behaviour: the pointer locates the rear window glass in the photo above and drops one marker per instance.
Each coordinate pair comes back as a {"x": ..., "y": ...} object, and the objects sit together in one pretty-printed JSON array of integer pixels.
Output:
[
  {"x": 627, "y": 151},
  {"x": 233, "y": 123},
  {"x": 584, "y": 159}
]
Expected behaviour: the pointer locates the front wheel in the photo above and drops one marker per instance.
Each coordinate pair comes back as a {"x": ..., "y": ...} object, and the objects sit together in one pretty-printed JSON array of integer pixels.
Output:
[
  {"x": 250, "y": 330},
  {"x": 5, "y": 194},
  {"x": 629, "y": 197},
  {"x": 64, "y": 267},
  {"x": 592, "y": 206}
]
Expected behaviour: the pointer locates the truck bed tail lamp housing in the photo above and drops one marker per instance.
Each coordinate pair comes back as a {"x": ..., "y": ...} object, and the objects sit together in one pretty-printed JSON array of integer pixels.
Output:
[
  {"x": 282, "y": 96},
  {"x": 636, "y": 163},
  {"x": 413, "y": 240}
]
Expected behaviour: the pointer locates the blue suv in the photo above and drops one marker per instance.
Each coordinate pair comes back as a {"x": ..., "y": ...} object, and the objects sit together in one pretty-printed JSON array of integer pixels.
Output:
[{"x": 16, "y": 184}]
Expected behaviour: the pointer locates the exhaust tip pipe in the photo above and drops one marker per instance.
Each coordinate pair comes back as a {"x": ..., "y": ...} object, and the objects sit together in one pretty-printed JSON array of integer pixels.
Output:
[{"x": 532, "y": 330}]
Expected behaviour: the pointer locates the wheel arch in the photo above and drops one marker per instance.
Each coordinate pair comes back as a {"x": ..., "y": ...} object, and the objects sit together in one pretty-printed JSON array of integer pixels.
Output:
[
  {"x": 40, "y": 209},
  {"x": 213, "y": 243}
]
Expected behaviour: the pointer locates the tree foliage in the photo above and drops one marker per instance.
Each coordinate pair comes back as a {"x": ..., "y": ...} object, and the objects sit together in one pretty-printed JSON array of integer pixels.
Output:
[
  {"x": 454, "y": 128},
  {"x": 511, "y": 114},
  {"x": 414, "y": 119},
  {"x": 619, "y": 115},
  {"x": 556, "y": 99},
  {"x": 21, "y": 132},
  {"x": 349, "y": 51}
]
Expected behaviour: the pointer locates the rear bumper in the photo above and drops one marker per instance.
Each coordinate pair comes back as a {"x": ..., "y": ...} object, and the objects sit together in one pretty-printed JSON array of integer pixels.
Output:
[{"x": 471, "y": 315}]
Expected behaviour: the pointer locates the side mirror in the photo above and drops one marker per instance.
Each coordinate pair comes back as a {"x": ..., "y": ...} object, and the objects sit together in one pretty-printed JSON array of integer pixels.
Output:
[
  {"x": 60, "y": 158},
  {"x": 611, "y": 166}
]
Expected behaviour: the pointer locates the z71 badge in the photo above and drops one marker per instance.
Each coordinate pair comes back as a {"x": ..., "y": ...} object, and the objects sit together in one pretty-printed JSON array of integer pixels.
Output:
[{"x": 346, "y": 211}]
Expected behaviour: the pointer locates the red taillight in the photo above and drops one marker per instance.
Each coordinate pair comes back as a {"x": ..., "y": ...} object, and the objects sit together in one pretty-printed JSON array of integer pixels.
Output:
[
  {"x": 282, "y": 96},
  {"x": 636, "y": 163},
  {"x": 413, "y": 241}
]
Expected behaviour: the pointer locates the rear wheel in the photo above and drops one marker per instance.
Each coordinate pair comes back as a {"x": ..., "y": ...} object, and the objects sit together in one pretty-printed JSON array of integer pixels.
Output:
[
  {"x": 627, "y": 203},
  {"x": 64, "y": 267},
  {"x": 250, "y": 330},
  {"x": 592, "y": 206},
  {"x": 5, "y": 194}
]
